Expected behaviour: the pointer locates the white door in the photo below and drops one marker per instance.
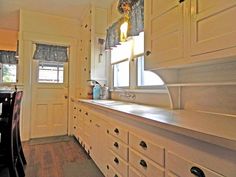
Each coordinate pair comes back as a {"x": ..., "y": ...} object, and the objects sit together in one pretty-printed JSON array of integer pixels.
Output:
[{"x": 49, "y": 100}]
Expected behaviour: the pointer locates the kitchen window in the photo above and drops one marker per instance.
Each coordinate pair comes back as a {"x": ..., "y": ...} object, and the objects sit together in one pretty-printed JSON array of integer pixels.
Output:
[{"x": 127, "y": 62}]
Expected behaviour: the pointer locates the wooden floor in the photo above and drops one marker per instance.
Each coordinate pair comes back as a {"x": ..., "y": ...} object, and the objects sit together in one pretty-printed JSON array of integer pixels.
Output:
[{"x": 47, "y": 160}]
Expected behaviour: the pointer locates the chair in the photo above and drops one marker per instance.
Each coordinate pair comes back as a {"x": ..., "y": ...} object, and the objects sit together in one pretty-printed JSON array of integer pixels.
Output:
[
  {"x": 11, "y": 152},
  {"x": 4, "y": 172}
]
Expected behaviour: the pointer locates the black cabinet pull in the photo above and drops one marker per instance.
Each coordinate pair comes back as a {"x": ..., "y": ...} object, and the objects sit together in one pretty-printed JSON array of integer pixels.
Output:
[
  {"x": 197, "y": 172},
  {"x": 116, "y": 160},
  {"x": 116, "y": 145},
  {"x": 86, "y": 113},
  {"x": 116, "y": 131},
  {"x": 180, "y": 1},
  {"x": 148, "y": 53},
  {"x": 80, "y": 110},
  {"x": 143, "y": 144},
  {"x": 74, "y": 117},
  {"x": 108, "y": 167},
  {"x": 116, "y": 175},
  {"x": 74, "y": 107},
  {"x": 143, "y": 163}
]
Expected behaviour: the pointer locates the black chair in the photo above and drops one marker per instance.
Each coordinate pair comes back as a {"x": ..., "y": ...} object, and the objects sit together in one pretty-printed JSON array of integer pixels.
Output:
[
  {"x": 4, "y": 172},
  {"x": 11, "y": 152}
]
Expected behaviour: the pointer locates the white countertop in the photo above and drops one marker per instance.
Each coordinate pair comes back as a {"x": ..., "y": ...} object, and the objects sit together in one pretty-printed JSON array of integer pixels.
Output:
[{"x": 213, "y": 128}]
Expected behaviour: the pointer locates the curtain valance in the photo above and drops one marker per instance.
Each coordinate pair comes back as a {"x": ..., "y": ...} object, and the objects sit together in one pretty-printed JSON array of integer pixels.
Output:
[
  {"x": 46, "y": 52},
  {"x": 135, "y": 23},
  {"x": 8, "y": 57}
]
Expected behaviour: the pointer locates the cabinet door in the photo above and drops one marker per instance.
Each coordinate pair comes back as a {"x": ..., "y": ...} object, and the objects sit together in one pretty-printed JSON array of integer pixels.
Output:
[
  {"x": 164, "y": 23},
  {"x": 99, "y": 143},
  {"x": 213, "y": 28}
]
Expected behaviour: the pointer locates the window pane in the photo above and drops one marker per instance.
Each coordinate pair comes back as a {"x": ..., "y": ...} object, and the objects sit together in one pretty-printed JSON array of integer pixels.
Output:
[
  {"x": 121, "y": 52},
  {"x": 139, "y": 44},
  {"x": 121, "y": 74},
  {"x": 8, "y": 73},
  {"x": 51, "y": 72},
  {"x": 147, "y": 78}
]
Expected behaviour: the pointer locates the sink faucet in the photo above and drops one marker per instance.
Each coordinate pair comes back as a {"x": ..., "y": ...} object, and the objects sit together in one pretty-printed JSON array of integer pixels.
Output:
[{"x": 128, "y": 95}]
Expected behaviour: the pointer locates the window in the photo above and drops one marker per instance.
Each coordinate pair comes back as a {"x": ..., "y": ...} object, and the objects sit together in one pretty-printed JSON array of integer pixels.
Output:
[
  {"x": 8, "y": 73},
  {"x": 50, "y": 72},
  {"x": 129, "y": 57},
  {"x": 121, "y": 74},
  {"x": 146, "y": 78}
]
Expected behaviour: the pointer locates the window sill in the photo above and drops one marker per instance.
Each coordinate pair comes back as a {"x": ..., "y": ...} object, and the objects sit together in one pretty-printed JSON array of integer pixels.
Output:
[{"x": 147, "y": 91}]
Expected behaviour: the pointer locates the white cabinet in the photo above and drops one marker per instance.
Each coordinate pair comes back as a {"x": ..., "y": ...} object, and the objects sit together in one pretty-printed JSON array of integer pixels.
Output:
[
  {"x": 164, "y": 28},
  {"x": 213, "y": 28},
  {"x": 118, "y": 148},
  {"x": 180, "y": 167},
  {"x": 99, "y": 139},
  {"x": 181, "y": 32},
  {"x": 125, "y": 147}
]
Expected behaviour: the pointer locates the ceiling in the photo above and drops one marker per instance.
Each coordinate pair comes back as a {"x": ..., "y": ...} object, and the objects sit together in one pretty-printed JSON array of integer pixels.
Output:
[{"x": 9, "y": 9}]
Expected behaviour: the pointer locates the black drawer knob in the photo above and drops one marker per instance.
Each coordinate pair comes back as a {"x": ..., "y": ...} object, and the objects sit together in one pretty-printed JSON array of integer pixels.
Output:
[
  {"x": 143, "y": 144},
  {"x": 116, "y": 145},
  {"x": 80, "y": 110},
  {"x": 180, "y": 1},
  {"x": 197, "y": 172},
  {"x": 143, "y": 163},
  {"x": 116, "y": 131},
  {"x": 116, "y": 160},
  {"x": 86, "y": 113},
  {"x": 116, "y": 175},
  {"x": 148, "y": 53}
]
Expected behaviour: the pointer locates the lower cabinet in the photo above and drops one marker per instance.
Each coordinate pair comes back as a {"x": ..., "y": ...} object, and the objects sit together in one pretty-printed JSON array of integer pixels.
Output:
[
  {"x": 178, "y": 166},
  {"x": 123, "y": 149}
]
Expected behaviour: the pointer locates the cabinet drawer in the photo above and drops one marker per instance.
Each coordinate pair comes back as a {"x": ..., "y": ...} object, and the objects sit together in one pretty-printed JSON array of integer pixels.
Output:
[
  {"x": 144, "y": 165},
  {"x": 182, "y": 167},
  {"x": 118, "y": 163},
  {"x": 152, "y": 151},
  {"x": 134, "y": 173},
  {"x": 111, "y": 172},
  {"x": 118, "y": 147},
  {"x": 119, "y": 133}
]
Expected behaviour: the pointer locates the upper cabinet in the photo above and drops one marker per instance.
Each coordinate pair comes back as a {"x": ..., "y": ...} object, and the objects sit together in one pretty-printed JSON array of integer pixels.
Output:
[
  {"x": 164, "y": 38},
  {"x": 213, "y": 28},
  {"x": 181, "y": 32}
]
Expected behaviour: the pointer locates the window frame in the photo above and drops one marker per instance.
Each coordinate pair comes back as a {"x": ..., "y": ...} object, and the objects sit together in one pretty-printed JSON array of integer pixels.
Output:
[
  {"x": 53, "y": 63},
  {"x": 133, "y": 74},
  {"x": 147, "y": 87},
  {"x": 113, "y": 80}
]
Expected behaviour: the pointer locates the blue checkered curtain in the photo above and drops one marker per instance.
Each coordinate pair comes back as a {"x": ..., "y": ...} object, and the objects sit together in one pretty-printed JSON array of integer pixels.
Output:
[
  {"x": 136, "y": 25},
  {"x": 136, "y": 19},
  {"x": 113, "y": 35},
  {"x": 54, "y": 53},
  {"x": 8, "y": 57}
]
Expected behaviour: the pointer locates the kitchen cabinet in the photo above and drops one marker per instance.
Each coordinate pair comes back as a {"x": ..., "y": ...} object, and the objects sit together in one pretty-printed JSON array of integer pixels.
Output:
[
  {"x": 118, "y": 148},
  {"x": 164, "y": 32},
  {"x": 213, "y": 29},
  {"x": 182, "y": 32},
  {"x": 99, "y": 142},
  {"x": 123, "y": 146}
]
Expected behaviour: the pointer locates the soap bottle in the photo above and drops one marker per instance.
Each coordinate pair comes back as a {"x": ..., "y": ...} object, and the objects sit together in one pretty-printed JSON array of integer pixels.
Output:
[{"x": 96, "y": 91}]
